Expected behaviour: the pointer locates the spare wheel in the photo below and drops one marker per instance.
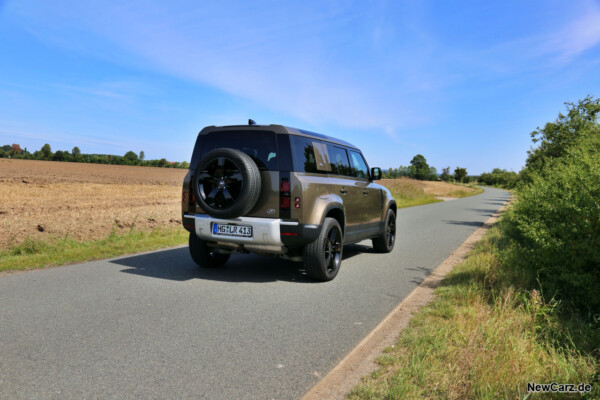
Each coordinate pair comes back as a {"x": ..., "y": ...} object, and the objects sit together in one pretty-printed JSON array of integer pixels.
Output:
[{"x": 227, "y": 183}]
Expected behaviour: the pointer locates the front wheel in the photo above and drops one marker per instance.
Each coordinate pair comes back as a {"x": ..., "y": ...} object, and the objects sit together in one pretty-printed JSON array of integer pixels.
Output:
[
  {"x": 385, "y": 243},
  {"x": 203, "y": 255},
  {"x": 323, "y": 257}
]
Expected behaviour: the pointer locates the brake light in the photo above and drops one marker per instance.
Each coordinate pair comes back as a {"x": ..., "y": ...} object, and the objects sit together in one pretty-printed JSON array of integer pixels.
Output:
[{"x": 285, "y": 200}]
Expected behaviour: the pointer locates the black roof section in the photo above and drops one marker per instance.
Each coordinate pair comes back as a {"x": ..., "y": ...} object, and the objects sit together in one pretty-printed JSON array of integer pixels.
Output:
[{"x": 279, "y": 129}]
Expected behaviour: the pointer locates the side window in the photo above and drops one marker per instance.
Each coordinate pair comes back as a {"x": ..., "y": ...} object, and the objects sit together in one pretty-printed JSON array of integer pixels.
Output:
[
  {"x": 322, "y": 157},
  {"x": 338, "y": 160},
  {"x": 359, "y": 166},
  {"x": 309, "y": 155}
]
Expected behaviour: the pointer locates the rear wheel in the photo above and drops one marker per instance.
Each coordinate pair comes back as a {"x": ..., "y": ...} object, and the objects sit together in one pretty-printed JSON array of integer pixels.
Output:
[
  {"x": 203, "y": 255},
  {"x": 385, "y": 243},
  {"x": 323, "y": 257}
]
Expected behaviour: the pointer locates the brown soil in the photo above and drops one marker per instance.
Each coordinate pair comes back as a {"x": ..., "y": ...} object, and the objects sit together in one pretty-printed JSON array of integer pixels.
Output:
[{"x": 41, "y": 199}]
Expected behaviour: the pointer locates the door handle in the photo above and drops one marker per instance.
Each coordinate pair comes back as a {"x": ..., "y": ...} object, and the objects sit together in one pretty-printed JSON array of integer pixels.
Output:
[
  {"x": 343, "y": 190},
  {"x": 365, "y": 192}
]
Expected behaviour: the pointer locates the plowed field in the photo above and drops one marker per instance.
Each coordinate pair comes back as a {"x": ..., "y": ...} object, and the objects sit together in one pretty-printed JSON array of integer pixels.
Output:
[{"x": 42, "y": 199}]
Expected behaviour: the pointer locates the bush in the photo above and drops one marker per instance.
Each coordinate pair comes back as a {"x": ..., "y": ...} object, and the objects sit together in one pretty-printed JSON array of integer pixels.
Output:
[
  {"x": 556, "y": 225},
  {"x": 500, "y": 177}
]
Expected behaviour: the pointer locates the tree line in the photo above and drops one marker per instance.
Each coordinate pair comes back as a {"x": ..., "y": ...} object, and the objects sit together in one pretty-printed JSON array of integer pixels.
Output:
[
  {"x": 46, "y": 154},
  {"x": 420, "y": 170}
]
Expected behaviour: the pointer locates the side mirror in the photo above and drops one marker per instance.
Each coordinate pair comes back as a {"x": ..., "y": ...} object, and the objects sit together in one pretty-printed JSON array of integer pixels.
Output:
[{"x": 375, "y": 173}]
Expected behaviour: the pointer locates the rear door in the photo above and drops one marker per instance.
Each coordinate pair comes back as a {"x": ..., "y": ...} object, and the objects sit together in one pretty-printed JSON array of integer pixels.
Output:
[{"x": 367, "y": 196}]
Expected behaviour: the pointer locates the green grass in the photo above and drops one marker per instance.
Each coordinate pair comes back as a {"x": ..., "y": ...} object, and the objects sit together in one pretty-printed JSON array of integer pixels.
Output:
[
  {"x": 403, "y": 202},
  {"x": 484, "y": 337},
  {"x": 33, "y": 254}
]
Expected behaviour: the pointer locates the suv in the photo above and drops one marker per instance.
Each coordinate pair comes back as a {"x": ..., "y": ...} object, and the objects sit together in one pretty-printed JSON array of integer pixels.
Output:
[{"x": 271, "y": 189}]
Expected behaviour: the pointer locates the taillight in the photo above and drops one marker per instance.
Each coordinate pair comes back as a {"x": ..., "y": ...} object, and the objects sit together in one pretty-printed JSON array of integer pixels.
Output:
[
  {"x": 297, "y": 202},
  {"x": 284, "y": 194}
]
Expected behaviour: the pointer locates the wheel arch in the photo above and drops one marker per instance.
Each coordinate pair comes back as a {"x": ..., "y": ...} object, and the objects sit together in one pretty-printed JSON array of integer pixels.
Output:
[{"x": 336, "y": 212}]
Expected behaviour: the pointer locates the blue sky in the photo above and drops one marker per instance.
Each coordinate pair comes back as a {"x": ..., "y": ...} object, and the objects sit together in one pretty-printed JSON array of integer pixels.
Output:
[{"x": 463, "y": 83}]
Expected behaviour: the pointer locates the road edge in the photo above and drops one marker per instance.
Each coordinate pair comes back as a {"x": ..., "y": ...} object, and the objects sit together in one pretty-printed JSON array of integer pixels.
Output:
[{"x": 361, "y": 360}]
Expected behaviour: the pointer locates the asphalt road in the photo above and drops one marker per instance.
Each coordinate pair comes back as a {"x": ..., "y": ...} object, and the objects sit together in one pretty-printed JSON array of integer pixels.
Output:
[{"x": 153, "y": 326}]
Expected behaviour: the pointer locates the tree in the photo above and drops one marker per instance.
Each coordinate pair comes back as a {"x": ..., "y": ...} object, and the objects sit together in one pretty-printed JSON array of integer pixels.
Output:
[
  {"x": 162, "y": 162},
  {"x": 433, "y": 175},
  {"x": 419, "y": 168},
  {"x": 446, "y": 174},
  {"x": 60, "y": 156},
  {"x": 460, "y": 173},
  {"x": 555, "y": 138},
  {"x": 142, "y": 156},
  {"x": 15, "y": 150},
  {"x": 46, "y": 151},
  {"x": 130, "y": 158},
  {"x": 76, "y": 153}
]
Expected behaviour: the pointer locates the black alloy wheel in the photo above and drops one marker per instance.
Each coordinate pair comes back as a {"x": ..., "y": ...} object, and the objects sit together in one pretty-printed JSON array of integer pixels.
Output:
[
  {"x": 323, "y": 257},
  {"x": 227, "y": 183},
  {"x": 221, "y": 183},
  {"x": 333, "y": 250},
  {"x": 385, "y": 243}
]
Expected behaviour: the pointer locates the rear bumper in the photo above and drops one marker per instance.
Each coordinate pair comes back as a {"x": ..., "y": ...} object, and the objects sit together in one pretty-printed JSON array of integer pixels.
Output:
[{"x": 271, "y": 235}]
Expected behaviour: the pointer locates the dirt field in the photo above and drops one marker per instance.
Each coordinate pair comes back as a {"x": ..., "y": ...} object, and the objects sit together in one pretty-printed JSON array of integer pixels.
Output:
[{"x": 42, "y": 199}]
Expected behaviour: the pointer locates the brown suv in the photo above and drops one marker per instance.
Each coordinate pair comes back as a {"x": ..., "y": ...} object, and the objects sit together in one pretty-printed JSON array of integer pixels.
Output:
[{"x": 271, "y": 189}]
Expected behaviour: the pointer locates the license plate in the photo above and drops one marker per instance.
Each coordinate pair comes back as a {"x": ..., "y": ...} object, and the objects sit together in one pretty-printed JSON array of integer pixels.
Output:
[{"x": 232, "y": 230}]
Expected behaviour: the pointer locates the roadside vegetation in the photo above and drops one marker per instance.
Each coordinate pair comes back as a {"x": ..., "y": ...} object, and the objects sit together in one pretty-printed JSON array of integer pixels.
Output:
[
  {"x": 524, "y": 306},
  {"x": 40, "y": 253}
]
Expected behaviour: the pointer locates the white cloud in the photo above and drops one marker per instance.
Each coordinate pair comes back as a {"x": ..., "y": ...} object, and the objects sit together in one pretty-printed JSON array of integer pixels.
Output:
[
  {"x": 291, "y": 60},
  {"x": 578, "y": 35}
]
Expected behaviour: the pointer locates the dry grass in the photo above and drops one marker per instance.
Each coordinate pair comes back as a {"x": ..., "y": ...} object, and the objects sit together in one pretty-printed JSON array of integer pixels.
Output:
[
  {"x": 410, "y": 192},
  {"x": 43, "y": 200}
]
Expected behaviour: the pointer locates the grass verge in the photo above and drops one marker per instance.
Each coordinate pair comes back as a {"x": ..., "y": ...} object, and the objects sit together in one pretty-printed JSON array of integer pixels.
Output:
[
  {"x": 485, "y": 337},
  {"x": 33, "y": 254}
]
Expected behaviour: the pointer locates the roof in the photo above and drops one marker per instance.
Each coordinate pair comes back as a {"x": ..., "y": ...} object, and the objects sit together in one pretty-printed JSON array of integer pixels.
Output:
[{"x": 279, "y": 129}]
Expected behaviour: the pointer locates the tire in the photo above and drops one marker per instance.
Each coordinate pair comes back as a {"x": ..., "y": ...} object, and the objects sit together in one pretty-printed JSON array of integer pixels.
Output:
[
  {"x": 203, "y": 255},
  {"x": 385, "y": 243},
  {"x": 227, "y": 183},
  {"x": 323, "y": 257}
]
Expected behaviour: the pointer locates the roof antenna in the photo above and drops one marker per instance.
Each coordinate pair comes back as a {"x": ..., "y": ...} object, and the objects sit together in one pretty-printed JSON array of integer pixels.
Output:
[{"x": 251, "y": 122}]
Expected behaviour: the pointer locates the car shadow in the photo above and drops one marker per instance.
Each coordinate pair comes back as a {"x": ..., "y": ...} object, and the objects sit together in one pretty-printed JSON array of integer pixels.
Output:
[
  {"x": 465, "y": 223},
  {"x": 176, "y": 265}
]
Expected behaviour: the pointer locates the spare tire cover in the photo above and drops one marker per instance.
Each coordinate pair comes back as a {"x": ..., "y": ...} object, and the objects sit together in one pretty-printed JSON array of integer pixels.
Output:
[{"x": 227, "y": 183}]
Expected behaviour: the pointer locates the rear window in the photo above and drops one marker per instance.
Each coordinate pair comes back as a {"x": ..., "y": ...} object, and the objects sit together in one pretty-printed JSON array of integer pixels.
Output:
[
  {"x": 310, "y": 155},
  {"x": 261, "y": 146}
]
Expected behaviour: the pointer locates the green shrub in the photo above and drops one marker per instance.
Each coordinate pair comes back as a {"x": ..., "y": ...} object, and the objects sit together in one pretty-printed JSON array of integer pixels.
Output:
[
  {"x": 500, "y": 177},
  {"x": 556, "y": 223}
]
